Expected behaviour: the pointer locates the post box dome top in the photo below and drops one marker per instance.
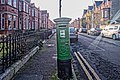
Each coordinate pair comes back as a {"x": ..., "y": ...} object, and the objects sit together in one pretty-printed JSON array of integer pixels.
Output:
[{"x": 62, "y": 20}]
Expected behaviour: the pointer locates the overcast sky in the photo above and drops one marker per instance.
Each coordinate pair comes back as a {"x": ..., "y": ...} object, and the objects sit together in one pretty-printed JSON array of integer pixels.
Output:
[{"x": 70, "y": 8}]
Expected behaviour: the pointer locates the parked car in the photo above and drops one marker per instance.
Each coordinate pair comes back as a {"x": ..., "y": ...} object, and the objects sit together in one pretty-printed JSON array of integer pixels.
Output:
[
  {"x": 83, "y": 30},
  {"x": 111, "y": 31},
  {"x": 73, "y": 34},
  {"x": 94, "y": 31}
]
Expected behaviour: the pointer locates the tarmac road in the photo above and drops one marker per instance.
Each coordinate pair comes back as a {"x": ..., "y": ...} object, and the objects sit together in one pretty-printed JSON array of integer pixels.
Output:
[{"x": 103, "y": 56}]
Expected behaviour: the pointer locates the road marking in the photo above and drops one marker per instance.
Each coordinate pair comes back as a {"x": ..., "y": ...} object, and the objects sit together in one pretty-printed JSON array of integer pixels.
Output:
[
  {"x": 84, "y": 68},
  {"x": 90, "y": 68},
  {"x": 75, "y": 78},
  {"x": 95, "y": 46},
  {"x": 94, "y": 43},
  {"x": 98, "y": 47}
]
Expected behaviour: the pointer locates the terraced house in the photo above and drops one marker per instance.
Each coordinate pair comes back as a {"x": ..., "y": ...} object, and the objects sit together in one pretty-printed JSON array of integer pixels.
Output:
[
  {"x": 105, "y": 10},
  {"x": 8, "y": 16},
  {"x": 44, "y": 19},
  {"x": 21, "y": 15},
  {"x": 99, "y": 15},
  {"x": 89, "y": 17},
  {"x": 84, "y": 19}
]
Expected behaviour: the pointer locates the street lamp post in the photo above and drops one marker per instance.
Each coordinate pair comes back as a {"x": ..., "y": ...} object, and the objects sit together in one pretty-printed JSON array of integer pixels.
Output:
[
  {"x": 93, "y": 14},
  {"x": 60, "y": 5}
]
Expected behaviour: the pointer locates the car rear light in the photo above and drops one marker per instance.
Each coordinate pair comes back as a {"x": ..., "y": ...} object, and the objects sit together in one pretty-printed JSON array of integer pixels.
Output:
[{"x": 76, "y": 32}]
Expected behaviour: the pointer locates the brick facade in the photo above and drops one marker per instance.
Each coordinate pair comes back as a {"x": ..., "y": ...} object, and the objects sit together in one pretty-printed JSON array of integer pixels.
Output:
[
  {"x": 102, "y": 13},
  {"x": 44, "y": 19},
  {"x": 51, "y": 25},
  {"x": 22, "y": 15},
  {"x": 8, "y": 16}
]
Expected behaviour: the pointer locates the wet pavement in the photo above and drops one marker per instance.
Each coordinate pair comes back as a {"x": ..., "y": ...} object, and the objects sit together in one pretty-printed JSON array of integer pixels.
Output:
[{"x": 42, "y": 65}]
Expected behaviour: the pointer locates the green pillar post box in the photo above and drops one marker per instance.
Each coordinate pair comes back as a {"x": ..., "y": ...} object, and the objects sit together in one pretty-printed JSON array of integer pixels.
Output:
[{"x": 63, "y": 48}]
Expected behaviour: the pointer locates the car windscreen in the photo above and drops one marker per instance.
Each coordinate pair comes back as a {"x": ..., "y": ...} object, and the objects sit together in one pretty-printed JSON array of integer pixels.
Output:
[
  {"x": 72, "y": 30},
  {"x": 84, "y": 28},
  {"x": 98, "y": 29}
]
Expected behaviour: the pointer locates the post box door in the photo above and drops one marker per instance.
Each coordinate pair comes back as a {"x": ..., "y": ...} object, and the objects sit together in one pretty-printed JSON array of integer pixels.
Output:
[{"x": 63, "y": 43}]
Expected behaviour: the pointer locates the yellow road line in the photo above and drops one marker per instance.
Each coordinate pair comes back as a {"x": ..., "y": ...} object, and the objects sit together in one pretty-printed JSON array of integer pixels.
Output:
[
  {"x": 84, "y": 68},
  {"x": 90, "y": 68}
]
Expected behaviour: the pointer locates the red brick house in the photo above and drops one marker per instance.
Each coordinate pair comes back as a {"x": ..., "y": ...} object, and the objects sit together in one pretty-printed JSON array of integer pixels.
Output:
[
  {"x": 21, "y": 15},
  {"x": 51, "y": 25},
  {"x": 24, "y": 14},
  {"x": 8, "y": 16},
  {"x": 97, "y": 13},
  {"x": 105, "y": 10},
  {"x": 44, "y": 19}
]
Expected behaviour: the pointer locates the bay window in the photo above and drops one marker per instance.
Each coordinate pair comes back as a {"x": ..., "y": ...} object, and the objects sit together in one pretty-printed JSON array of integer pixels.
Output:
[
  {"x": 14, "y": 22},
  {"x": 9, "y": 22}
]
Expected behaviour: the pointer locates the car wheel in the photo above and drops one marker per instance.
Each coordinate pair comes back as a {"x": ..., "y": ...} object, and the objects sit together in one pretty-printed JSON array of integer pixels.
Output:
[
  {"x": 102, "y": 35},
  {"x": 76, "y": 39},
  {"x": 114, "y": 37}
]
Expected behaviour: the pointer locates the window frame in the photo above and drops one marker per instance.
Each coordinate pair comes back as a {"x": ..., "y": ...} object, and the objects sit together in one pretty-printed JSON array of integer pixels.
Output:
[
  {"x": 24, "y": 6},
  {"x": 14, "y": 5},
  {"x": 20, "y": 6},
  {"x": 33, "y": 12},
  {"x": 14, "y": 23},
  {"x": 2, "y": 2},
  {"x": 2, "y": 28},
  {"x": 29, "y": 11},
  {"x": 27, "y": 8},
  {"x": 10, "y": 2},
  {"x": 9, "y": 18}
]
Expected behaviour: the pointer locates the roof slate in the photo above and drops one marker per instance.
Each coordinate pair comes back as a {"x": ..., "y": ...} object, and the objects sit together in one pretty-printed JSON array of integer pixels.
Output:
[
  {"x": 98, "y": 3},
  {"x": 90, "y": 7}
]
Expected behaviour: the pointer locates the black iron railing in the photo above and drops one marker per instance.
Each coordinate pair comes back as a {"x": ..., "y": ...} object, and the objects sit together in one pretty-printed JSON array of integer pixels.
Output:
[{"x": 14, "y": 46}]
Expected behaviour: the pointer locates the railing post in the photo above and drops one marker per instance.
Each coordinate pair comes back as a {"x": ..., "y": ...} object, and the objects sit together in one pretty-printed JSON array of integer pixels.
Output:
[
  {"x": 3, "y": 56},
  {"x": 6, "y": 49},
  {"x": 10, "y": 49},
  {"x": 15, "y": 47}
]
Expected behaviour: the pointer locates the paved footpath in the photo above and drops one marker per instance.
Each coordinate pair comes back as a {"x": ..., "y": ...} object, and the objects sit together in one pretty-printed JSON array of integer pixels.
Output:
[{"x": 42, "y": 65}]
